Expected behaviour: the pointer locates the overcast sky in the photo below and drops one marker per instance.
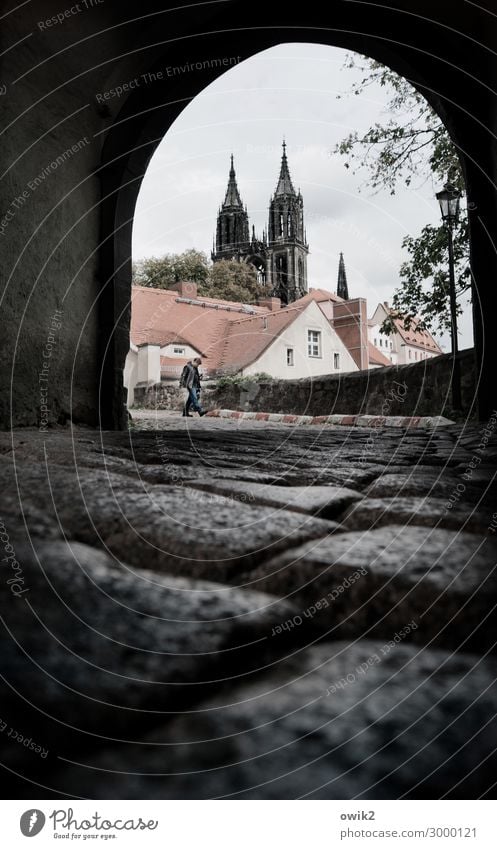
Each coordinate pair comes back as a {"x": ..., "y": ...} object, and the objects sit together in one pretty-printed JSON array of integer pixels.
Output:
[{"x": 288, "y": 91}]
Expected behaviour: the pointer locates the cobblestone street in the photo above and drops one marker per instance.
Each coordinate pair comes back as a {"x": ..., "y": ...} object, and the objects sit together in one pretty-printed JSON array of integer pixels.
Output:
[{"x": 229, "y": 608}]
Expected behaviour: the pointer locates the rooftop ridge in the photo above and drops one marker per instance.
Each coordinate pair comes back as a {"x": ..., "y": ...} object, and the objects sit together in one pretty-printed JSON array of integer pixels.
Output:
[{"x": 194, "y": 302}]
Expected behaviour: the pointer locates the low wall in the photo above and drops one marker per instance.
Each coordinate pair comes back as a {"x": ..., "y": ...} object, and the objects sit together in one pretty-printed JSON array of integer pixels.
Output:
[
  {"x": 422, "y": 389},
  {"x": 167, "y": 396}
]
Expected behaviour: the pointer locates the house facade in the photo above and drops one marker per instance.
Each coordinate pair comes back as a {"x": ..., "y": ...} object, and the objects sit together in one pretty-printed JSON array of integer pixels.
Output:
[{"x": 404, "y": 347}]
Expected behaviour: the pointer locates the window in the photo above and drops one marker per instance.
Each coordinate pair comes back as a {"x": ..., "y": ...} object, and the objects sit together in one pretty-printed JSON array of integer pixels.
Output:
[
  {"x": 289, "y": 356},
  {"x": 391, "y": 345},
  {"x": 178, "y": 351},
  {"x": 410, "y": 354},
  {"x": 314, "y": 343},
  {"x": 381, "y": 343},
  {"x": 415, "y": 355},
  {"x": 376, "y": 343},
  {"x": 336, "y": 361}
]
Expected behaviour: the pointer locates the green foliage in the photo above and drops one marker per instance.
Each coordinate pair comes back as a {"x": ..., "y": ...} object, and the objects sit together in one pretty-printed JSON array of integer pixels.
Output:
[
  {"x": 230, "y": 280},
  {"x": 247, "y": 380},
  {"x": 425, "y": 277},
  {"x": 227, "y": 280},
  {"x": 411, "y": 145},
  {"x": 163, "y": 272}
]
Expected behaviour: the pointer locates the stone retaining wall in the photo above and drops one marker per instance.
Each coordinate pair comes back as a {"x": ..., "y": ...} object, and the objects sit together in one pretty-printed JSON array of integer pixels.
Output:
[
  {"x": 422, "y": 389},
  {"x": 166, "y": 396}
]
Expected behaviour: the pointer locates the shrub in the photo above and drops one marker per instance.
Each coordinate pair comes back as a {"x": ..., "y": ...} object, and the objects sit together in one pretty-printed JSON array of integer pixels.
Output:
[{"x": 239, "y": 380}]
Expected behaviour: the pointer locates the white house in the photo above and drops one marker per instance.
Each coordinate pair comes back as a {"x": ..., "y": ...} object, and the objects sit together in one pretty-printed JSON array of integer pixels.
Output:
[{"x": 404, "y": 347}]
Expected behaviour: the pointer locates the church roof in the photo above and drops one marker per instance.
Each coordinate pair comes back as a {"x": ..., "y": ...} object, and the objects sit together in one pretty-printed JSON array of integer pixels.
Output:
[
  {"x": 285, "y": 186},
  {"x": 232, "y": 194}
]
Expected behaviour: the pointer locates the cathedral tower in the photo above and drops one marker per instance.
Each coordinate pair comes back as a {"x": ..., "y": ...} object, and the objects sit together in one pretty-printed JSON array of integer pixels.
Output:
[
  {"x": 287, "y": 246},
  {"x": 232, "y": 232},
  {"x": 342, "y": 288}
]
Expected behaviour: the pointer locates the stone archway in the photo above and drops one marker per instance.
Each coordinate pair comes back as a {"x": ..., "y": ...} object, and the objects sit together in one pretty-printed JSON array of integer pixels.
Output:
[{"x": 117, "y": 84}]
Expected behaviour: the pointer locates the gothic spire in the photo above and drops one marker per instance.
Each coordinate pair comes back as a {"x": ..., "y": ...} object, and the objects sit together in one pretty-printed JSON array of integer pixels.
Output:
[
  {"x": 232, "y": 194},
  {"x": 342, "y": 288},
  {"x": 284, "y": 186}
]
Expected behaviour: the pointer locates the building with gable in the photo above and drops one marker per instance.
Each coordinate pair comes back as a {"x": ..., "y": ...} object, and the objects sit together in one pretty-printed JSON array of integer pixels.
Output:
[
  {"x": 403, "y": 347},
  {"x": 315, "y": 335}
]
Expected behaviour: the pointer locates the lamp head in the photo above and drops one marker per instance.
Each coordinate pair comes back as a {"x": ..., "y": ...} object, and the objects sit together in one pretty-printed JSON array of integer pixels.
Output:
[{"x": 449, "y": 198}]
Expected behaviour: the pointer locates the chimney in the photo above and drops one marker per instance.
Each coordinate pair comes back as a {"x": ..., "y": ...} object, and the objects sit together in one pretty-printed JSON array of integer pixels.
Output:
[
  {"x": 385, "y": 304},
  {"x": 272, "y": 304},
  {"x": 185, "y": 289},
  {"x": 148, "y": 364}
]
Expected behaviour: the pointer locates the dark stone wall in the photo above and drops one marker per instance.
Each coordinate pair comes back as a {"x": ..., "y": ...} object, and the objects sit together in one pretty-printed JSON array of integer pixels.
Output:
[
  {"x": 422, "y": 389},
  {"x": 167, "y": 396}
]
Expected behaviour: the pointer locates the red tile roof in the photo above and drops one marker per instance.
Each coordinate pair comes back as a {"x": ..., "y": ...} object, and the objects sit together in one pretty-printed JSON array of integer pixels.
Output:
[
  {"x": 228, "y": 335},
  {"x": 418, "y": 338},
  {"x": 247, "y": 338},
  {"x": 174, "y": 361},
  {"x": 319, "y": 295},
  {"x": 414, "y": 336},
  {"x": 376, "y": 357}
]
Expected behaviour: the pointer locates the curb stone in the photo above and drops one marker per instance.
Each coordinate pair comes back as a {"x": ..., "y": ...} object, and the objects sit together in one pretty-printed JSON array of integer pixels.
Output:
[{"x": 340, "y": 420}]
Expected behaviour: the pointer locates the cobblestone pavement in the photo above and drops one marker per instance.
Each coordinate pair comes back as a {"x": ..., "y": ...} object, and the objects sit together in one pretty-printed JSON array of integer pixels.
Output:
[{"x": 242, "y": 609}]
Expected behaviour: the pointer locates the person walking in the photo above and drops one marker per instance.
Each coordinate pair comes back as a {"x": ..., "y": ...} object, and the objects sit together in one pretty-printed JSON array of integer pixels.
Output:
[
  {"x": 192, "y": 383},
  {"x": 182, "y": 382}
]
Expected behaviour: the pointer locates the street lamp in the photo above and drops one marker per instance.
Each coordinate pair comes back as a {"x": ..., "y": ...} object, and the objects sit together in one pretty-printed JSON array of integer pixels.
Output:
[{"x": 449, "y": 198}]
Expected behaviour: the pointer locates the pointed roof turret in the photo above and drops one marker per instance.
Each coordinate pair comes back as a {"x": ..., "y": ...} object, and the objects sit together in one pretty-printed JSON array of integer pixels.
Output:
[
  {"x": 342, "y": 288},
  {"x": 232, "y": 194},
  {"x": 284, "y": 186}
]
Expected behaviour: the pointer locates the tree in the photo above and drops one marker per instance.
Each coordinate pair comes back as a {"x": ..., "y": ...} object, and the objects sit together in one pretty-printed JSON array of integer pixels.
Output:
[
  {"x": 230, "y": 280},
  {"x": 227, "y": 280},
  {"x": 163, "y": 272},
  {"x": 412, "y": 144}
]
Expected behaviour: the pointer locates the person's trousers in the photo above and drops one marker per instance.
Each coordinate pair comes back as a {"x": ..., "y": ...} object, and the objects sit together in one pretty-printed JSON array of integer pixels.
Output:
[{"x": 192, "y": 402}]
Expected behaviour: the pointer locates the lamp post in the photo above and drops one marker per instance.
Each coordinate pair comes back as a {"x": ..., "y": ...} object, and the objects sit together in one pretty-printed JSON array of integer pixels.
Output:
[{"x": 449, "y": 198}]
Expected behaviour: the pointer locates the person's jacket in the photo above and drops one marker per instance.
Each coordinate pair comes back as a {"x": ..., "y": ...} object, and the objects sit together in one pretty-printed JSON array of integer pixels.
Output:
[{"x": 193, "y": 377}]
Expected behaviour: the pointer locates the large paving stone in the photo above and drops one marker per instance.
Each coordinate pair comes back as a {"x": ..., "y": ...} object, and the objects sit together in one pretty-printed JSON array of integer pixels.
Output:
[
  {"x": 421, "y": 480},
  {"x": 339, "y": 721},
  {"x": 350, "y": 476},
  {"x": 94, "y": 649},
  {"x": 171, "y": 528},
  {"x": 430, "y": 512},
  {"x": 371, "y": 583},
  {"x": 325, "y": 501}
]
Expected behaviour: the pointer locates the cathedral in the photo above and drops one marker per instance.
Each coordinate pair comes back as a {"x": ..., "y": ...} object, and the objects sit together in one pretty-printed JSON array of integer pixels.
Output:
[{"x": 280, "y": 256}]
